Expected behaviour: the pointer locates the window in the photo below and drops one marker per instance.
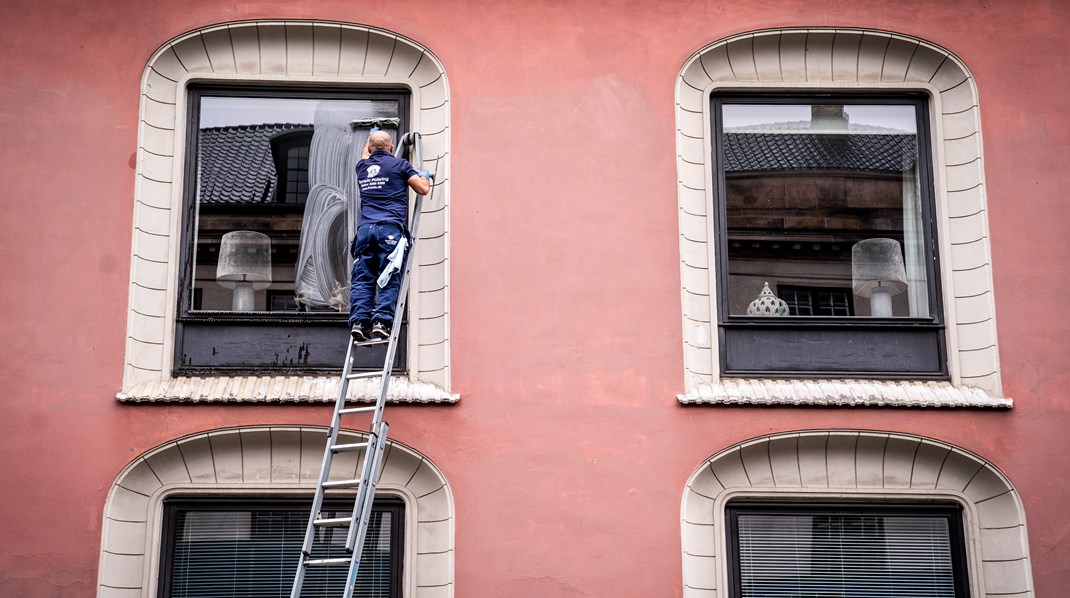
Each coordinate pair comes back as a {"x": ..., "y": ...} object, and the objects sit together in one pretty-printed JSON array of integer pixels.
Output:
[
  {"x": 270, "y": 210},
  {"x": 248, "y": 549},
  {"x": 238, "y": 57},
  {"x": 817, "y": 301},
  {"x": 845, "y": 550},
  {"x": 826, "y": 239}
]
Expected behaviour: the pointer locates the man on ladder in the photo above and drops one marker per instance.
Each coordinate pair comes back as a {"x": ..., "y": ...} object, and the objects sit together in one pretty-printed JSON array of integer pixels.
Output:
[
  {"x": 379, "y": 247},
  {"x": 379, "y": 251}
]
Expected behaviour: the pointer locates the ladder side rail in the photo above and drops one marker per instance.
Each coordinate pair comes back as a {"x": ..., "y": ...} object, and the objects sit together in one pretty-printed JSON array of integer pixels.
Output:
[
  {"x": 362, "y": 497},
  {"x": 410, "y": 141},
  {"x": 391, "y": 350},
  {"x": 325, "y": 471},
  {"x": 358, "y": 532}
]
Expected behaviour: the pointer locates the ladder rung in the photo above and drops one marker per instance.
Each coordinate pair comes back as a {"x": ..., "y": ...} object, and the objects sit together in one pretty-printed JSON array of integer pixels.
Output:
[
  {"x": 337, "y": 561},
  {"x": 342, "y": 484},
  {"x": 375, "y": 374},
  {"x": 345, "y": 448},
  {"x": 357, "y": 410},
  {"x": 372, "y": 342},
  {"x": 332, "y": 522}
]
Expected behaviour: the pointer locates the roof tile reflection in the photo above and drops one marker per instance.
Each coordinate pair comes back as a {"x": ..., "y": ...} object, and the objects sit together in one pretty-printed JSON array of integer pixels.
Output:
[
  {"x": 793, "y": 146},
  {"x": 236, "y": 163}
]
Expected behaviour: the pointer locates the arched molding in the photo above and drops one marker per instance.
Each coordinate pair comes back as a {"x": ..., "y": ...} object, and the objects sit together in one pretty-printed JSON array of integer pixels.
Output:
[
  {"x": 281, "y": 52},
  {"x": 844, "y": 59},
  {"x": 878, "y": 466},
  {"x": 275, "y": 461}
]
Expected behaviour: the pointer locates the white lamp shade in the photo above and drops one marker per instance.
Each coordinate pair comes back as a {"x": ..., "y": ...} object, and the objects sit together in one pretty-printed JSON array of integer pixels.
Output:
[
  {"x": 878, "y": 263},
  {"x": 244, "y": 256}
]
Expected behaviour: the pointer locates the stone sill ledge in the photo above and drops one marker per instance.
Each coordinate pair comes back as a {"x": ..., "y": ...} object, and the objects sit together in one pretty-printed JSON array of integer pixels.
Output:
[
  {"x": 848, "y": 393},
  {"x": 279, "y": 389}
]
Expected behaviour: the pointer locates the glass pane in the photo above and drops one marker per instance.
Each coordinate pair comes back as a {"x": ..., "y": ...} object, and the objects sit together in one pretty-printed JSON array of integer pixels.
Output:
[
  {"x": 845, "y": 556},
  {"x": 253, "y": 554},
  {"x": 279, "y": 173},
  {"x": 823, "y": 205}
]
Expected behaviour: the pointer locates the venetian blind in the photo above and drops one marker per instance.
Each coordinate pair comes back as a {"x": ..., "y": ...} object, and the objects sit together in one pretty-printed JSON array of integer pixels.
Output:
[
  {"x": 226, "y": 551},
  {"x": 846, "y": 555}
]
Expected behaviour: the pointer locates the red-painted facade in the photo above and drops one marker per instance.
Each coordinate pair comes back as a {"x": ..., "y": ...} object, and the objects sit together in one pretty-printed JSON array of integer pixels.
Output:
[{"x": 568, "y": 452}]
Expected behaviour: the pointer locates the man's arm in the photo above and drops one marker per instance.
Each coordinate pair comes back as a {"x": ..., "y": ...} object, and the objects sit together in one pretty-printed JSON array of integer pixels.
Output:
[
  {"x": 420, "y": 184},
  {"x": 367, "y": 151}
]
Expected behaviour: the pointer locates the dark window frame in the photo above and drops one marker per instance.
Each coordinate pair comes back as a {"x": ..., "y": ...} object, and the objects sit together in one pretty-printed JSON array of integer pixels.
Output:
[
  {"x": 938, "y": 509},
  {"x": 791, "y": 346},
  {"x": 395, "y": 506},
  {"x": 255, "y": 343}
]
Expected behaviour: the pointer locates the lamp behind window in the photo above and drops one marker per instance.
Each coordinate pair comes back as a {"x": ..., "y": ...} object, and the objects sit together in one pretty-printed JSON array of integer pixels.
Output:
[
  {"x": 244, "y": 265},
  {"x": 878, "y": 272}
]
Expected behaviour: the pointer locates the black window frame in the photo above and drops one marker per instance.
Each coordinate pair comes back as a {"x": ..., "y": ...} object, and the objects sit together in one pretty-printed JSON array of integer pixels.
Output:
[
  {"x": 171, "y": 505},
  {"x": 822, "y": 346},
  {"x": 257, "y": 343},
  {"x": 949, "y": 510}
]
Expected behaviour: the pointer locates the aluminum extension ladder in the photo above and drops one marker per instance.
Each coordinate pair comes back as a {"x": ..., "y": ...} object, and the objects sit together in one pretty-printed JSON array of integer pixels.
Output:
[{"x": 365, "y": 485}]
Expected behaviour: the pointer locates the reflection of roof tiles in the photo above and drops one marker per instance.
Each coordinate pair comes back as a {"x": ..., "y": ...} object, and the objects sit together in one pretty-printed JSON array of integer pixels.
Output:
[
  {"x": 747, "y": 150},
  {"x": 236, "y": 163}
]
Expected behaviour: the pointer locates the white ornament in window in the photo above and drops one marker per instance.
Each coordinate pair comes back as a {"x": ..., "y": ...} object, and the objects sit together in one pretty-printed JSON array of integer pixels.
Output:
[{"x": 767, "y": 304}]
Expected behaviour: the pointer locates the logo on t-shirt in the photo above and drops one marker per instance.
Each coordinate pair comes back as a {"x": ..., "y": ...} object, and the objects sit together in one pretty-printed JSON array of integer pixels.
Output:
[{"x": 373, "y": 170}]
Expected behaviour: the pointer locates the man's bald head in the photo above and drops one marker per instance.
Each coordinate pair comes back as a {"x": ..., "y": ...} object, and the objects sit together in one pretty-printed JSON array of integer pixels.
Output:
[{"x": 380, "y": 140}]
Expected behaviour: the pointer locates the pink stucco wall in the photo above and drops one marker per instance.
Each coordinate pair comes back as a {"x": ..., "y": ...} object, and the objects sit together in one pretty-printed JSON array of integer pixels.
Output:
[{"x": 568, "y": 452}]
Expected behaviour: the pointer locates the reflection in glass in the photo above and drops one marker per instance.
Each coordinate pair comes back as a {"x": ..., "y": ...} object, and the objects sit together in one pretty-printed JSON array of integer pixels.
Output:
[
  {"x": 803, "y": 185},
  {"x": 281, "y": 166}
]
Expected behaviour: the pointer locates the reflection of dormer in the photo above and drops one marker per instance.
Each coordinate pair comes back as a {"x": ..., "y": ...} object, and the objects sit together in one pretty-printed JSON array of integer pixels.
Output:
[
  {"x": 290, "y": 150},
  {"x": 258, "y": 164}
]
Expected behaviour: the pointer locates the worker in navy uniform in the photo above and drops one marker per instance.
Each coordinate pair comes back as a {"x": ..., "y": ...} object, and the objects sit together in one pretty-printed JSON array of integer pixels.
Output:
[{"x": 384, "y": 181}]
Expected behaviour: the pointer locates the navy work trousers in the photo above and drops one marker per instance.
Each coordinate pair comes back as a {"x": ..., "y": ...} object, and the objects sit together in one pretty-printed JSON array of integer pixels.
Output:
[{"x": 371, "y": 250}]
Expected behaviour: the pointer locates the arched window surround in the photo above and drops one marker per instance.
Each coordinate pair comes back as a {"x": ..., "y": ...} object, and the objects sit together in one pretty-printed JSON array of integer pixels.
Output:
[
  {"x": 267, "y": 461},
  {"x": 806, "y": 59},
  {"x": 871, "y": 465},
  {"x": 278, "y": 53}
]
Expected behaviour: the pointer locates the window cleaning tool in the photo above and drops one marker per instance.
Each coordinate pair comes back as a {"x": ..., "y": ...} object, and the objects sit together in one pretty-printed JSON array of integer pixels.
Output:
[
  {"x": 375, "y": 123},
  {"x": 358, "y": 520}
]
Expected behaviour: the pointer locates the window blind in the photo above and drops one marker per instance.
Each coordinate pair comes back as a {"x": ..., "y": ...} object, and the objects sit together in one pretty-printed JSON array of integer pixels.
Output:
[
  {"x": 232, "y": 551},
  {"x": 846, "y": 555}
]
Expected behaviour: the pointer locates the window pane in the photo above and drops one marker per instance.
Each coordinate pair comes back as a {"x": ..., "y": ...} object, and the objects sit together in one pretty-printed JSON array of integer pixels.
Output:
[
  {"x": 825, "y": 198},
  {"x": 252, "y": 553},
  {"x": 279, "y": 172},
  {"x": 845, "y": 555}
]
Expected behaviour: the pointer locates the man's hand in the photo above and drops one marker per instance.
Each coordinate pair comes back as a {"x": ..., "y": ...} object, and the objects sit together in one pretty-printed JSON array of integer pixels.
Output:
[{"x": 420, "y": 182}]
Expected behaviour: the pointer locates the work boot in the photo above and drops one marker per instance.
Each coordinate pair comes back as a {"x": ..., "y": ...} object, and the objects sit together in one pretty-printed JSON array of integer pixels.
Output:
[{"x": 380, "y": 330}]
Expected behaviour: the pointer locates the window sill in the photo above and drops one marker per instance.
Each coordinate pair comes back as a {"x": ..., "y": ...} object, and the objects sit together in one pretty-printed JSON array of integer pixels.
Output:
[
  {"x": 279, "y": 389},
  {"x": 846, "y": 393}
]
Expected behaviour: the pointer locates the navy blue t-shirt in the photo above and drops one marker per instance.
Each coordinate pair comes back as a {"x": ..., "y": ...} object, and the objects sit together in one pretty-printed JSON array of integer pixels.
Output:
[{"x": 384, "y": 188}]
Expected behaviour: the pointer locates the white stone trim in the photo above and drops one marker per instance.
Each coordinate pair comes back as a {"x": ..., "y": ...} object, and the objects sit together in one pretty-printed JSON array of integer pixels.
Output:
[
  {"x": 278, "y": 52},
  {"x": 269, "y": 461},
  {"x": 852, "y": 393},
  {"x": 857, "y": 464},
  {"x": 843, "y": 59},
  {"x": 280, "y": 389}
]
